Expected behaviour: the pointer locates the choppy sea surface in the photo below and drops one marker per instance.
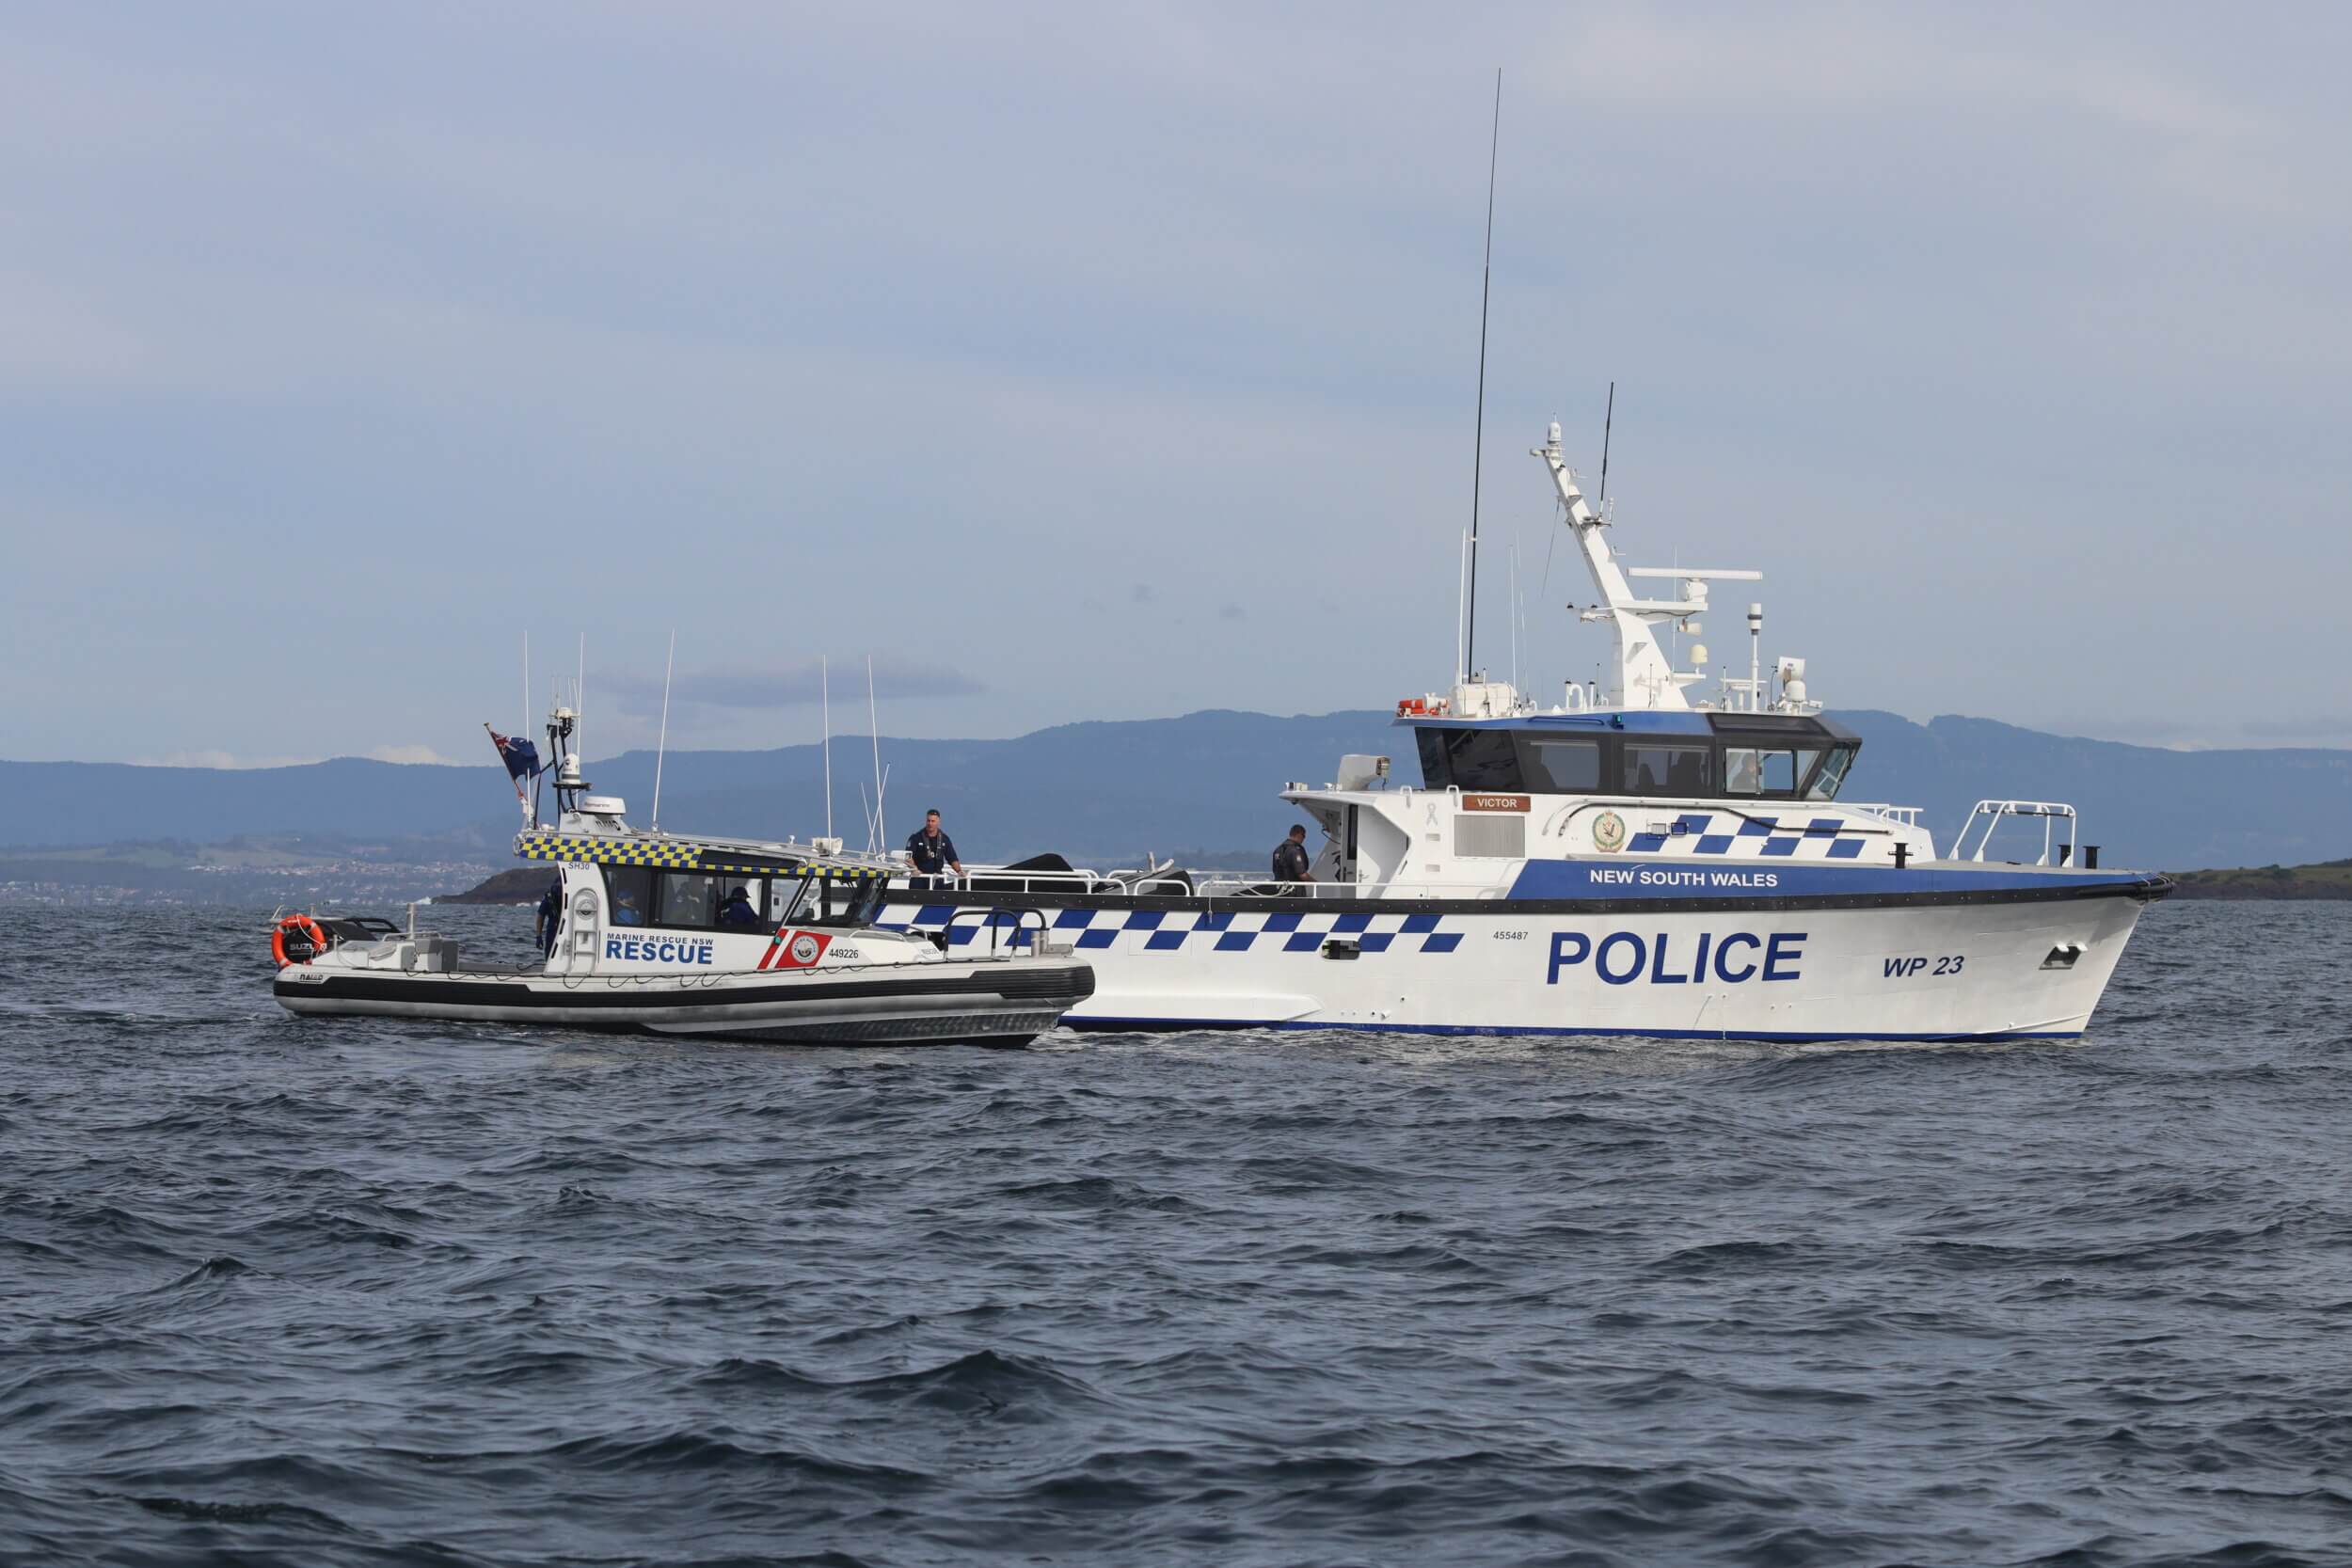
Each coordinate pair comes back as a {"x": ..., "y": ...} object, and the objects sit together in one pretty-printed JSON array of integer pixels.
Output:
[{"x": 341, "y": 1291}]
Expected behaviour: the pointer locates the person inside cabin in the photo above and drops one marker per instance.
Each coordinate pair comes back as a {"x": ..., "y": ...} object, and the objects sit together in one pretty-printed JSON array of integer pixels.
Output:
[
  {"x": 1747, "y": 771},
  {"x": 929, "y": 851},
  {"x": 1290, "y": 857},
  {"x": 624, "y": 909},
  {"x": 550, "y": 916},
  {"x": 736, "y": 908}
]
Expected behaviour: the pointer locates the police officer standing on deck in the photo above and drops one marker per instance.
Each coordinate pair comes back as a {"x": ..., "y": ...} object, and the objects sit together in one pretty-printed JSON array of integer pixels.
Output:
[
  {"x": 929, "y": 851},
  {"x": 1290, "y": 858},
  {"x": 550, "y": 916}
]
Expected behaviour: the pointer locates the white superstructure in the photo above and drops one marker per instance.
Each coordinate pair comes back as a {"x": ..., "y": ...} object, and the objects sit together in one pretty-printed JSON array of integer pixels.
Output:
[{"x": 1654, "y": 854}]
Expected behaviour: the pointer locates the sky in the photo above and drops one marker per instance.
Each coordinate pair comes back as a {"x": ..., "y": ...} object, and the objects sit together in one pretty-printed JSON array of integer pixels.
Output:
[{"x": 1121, "y": 360}]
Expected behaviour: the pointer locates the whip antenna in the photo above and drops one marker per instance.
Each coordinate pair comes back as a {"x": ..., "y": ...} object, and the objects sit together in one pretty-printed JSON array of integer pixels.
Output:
[
  {"x": 662, "y": 747},
  {"x": 1485, "y": 290},
  {"x": 824, "y": 689},
  {"x": 873, "y": 722},
  {"x": 1606, "y": 419}
]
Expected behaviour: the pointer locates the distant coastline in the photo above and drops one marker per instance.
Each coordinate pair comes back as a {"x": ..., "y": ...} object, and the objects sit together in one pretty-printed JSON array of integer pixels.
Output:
[
  {"x": 524, "y": 885},
  {"x": 2327, "y": 879}
]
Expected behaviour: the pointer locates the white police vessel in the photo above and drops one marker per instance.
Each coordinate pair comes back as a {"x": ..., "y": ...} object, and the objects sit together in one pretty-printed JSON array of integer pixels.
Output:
[
  {"x": 733, "y": 938},
  {"x": 1629, "y": 861}
]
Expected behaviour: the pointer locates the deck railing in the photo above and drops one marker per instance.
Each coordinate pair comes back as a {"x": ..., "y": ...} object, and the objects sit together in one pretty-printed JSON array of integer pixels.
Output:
[{"x": 1992, "y": 813}]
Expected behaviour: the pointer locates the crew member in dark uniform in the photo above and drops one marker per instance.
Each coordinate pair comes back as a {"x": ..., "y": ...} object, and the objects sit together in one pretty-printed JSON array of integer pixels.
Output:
[
  {"x": 550, "y": 916},
  {"x": 736, "y": 909},
  {"x": 930, "y": 852},
  {"x": 1290, "y": 858}
]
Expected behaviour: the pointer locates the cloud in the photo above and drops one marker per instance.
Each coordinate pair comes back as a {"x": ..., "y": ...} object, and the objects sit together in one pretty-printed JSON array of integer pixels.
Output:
[
  {"x": 213, "y": 757},
  {"x": 1114, "y": 281},
  {"x": 217, "y": 758},
  {"x": 756, "y": 687}
]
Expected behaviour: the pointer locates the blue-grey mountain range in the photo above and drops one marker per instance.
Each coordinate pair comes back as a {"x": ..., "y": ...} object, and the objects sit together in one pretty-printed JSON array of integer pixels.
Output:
[{"x": 1203, "y": 784}]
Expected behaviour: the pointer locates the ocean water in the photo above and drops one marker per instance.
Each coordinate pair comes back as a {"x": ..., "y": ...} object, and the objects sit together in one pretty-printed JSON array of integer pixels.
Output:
[{"x": 336, "y": 1292}]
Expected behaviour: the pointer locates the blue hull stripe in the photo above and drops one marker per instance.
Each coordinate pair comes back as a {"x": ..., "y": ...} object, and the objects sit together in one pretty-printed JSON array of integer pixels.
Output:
[{"x": 1679, "y": 879}]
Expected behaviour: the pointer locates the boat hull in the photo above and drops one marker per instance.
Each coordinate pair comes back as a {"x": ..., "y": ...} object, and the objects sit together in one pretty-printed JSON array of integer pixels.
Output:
[
  {"x": 2017, "y": 964},
  {"x": 995, "y": 1002}
]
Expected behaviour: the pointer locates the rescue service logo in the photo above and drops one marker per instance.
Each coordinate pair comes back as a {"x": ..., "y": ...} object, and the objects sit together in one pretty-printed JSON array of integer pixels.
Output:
[
  {"x": 1607, "y": 832},
  {"x": 791, "y": 949}
]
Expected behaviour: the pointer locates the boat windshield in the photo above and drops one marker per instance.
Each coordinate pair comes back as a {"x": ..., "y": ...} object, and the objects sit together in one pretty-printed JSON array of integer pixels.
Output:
[
  {"x": 1833, "y": 774},
  {"x": 818, "y": 901}
]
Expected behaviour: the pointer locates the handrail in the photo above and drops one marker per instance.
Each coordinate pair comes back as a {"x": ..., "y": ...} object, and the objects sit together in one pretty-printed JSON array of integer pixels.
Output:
[
  {"x": 995, "y": 920},
  {"x": 1993, "y": 811},
  {"x": 1076, "y": 880},
  {"x": 1264, "y": 890}
]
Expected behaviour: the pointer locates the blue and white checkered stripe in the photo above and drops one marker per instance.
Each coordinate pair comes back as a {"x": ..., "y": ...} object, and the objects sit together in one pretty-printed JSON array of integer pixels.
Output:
[
  {"x": 1818, "y": 838},
  {"x": 1217, "y": 931}
]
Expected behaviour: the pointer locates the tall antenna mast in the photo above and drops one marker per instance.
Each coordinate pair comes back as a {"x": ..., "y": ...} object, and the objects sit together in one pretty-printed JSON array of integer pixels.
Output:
[
  {"x": 580, "y": 702},
  {"x": 1485, "y": 287},
  {"x": 663, "y": 745},
  {"x": 1607, "y": 421},
  {"x": 824, "y": 687}
]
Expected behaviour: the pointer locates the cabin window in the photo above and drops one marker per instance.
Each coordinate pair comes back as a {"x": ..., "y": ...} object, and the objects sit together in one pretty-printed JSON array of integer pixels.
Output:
[
  {"x": 788, "y": 898},
  {"x": 1833, "y": 773},
  {"x": 1665, "y": 769},
  {"x": 628, "y": 894},
  {"x": 740, "y": 915},
  {"x": 1750, "y": 771},
  {"x": 687, "y": 899},
  {"x": 1491, "y": 835},
  {"x": 1561, "y": 767},
  {"x": 1434, "y": 774},
  {"x": 1482, "y": 759}
]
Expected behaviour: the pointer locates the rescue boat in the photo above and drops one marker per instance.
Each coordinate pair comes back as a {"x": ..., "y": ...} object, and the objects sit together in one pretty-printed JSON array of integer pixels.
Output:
[{"x": 738, "y": 939}]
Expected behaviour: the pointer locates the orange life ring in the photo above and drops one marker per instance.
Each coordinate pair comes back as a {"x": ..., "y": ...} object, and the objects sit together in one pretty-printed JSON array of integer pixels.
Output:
[{"x": 308, "y": 926}]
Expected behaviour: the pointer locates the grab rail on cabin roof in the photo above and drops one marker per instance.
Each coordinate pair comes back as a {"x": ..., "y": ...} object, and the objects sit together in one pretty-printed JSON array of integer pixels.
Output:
[
  {"x": 1000, "y": 878},
  {"x": 1993, "y": 812},
  {"x": 1254, "y": 891}
]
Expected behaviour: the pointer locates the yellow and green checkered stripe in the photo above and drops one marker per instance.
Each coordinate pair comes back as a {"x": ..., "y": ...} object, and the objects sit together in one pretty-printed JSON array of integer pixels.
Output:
[{"x": 677, "y": 854}]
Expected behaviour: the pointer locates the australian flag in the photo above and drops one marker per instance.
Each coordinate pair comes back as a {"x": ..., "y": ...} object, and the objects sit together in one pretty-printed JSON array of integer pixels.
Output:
[{"x": 520, "y": 756}]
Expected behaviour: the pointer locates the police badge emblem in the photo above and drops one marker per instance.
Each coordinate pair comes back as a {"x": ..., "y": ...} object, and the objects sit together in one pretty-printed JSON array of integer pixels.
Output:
[{"x": 1607, "y": 832}]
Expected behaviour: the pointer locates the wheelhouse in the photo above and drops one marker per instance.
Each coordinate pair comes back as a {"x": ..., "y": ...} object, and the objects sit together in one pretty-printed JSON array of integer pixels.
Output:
[
  {"x": 715, "y": 884},
  {"x": 707, "y": 901},
  {"x": 1684, "y": 756}
]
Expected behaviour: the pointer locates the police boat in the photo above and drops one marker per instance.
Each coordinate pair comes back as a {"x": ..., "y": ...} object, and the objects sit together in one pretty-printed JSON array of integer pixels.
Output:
[
  {"x": 1644, "y": 858},
  {"x": 726, "y": 938}
]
